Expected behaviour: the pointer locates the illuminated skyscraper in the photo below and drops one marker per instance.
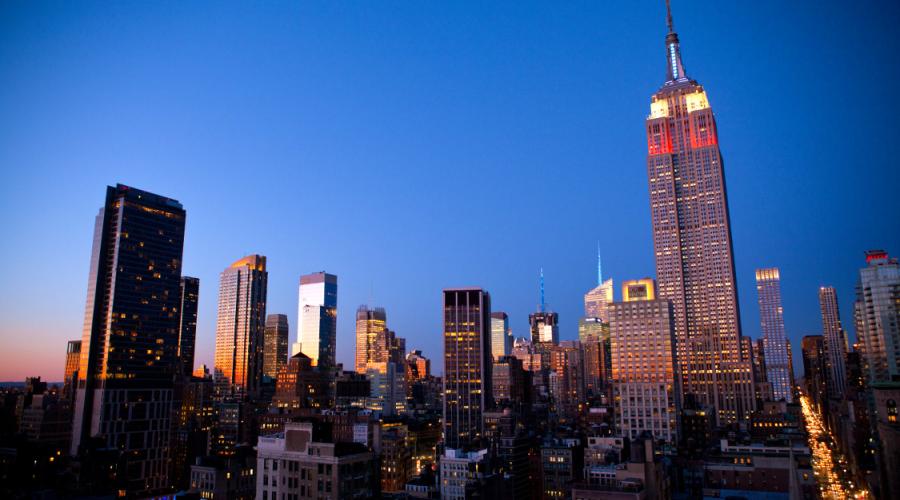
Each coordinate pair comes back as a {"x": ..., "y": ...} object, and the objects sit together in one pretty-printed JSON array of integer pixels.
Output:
[
  {"x": 835, "y": 342},
  {"x": 544, "y": 327},
  {"x": 275, "y": 344},
  {"x": 187, "y": 327},
  {"x": 501, "y": 337},
  {"x": 878, "y": 317},
  {"x": 70, "y": 376},
  {"x": 771, "y": 318},
  {"x": 240, "y": 327},
  {"x": 598, "y": 299},
  {"x": 692, "y": 240},
  {"x": 129, "y": 347},
  {"x": 317, "y": 317},
  {"x": 644, "y": 368},
  {"x": 371, "y": 341},
  {"x": 467, "y": 364}
]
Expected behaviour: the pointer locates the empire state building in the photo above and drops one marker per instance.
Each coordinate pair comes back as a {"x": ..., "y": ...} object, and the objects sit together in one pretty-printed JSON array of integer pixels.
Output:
[{"x": 692, "y": 242}]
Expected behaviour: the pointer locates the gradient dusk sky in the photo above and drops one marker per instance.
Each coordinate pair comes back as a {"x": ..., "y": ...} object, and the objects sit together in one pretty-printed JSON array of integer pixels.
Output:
[{"x": 413, "y": 146}]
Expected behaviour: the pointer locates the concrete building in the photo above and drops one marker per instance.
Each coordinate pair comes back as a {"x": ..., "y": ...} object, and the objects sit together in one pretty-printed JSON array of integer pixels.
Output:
[
  {"x": 642, "y": 345},
  {"x": 292, "y": 465}
]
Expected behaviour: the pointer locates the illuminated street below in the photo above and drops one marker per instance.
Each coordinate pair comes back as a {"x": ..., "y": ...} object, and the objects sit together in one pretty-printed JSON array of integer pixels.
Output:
[{"x": 832, "y": 483}]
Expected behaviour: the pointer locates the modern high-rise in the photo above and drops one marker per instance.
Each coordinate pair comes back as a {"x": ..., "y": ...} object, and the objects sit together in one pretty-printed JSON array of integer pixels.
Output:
[
  {"x": 594, "y": 337},
  {"x": 771, "y": 319},
  {"x": 501, "y": 337},
  {"x": 129, "y": 348},
  {"x": 275, "y": 344},
  {"x": 467, "y": 364},
  {"x": 371, "y": 341},
  {"x": 70, "y": 375},
  {"x": 877, "y": 314},
  {"x": 187, "y": 327},
  {"x": 240, "y": 327},
  {"x": 317, "y": 317},
  {"x": 835, "y": 340},
  {"x": 644, "y": 366},
  {"x": 692, "y": 240}
]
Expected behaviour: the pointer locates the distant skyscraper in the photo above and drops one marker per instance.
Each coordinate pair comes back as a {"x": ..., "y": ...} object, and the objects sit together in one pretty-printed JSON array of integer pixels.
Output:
[
  {"x": 501, "y": 338},
  {"x": 644, "y": 368},
  {"x": 129, "y": 348},
  {"x": 877, "y": 314},
  {"x": 240, "y": 327},
  {"x": 771, "y": 318},
  {"x": 70, "y": 376},
  {"x": 598, "y": 299},
  {"x": 275, "y": 344},
  {"x": 544, "y": 327},
  {"x": 835, "y": 342},
  {"x": 317, "y": 315},
  {"x": 815, "y": 374},
  {"x": 371, "y": 341},
  {"x": 418, "y": 367},
  {"x": 692, "y": 240},
  {"x": 467, "y": 364},
  {"x": 187, "y": 327},
  {"x": 594, "y": 337}
]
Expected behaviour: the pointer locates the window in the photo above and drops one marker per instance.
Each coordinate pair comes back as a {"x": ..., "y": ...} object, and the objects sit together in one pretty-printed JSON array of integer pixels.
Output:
[{"x": 892, "y": 411}]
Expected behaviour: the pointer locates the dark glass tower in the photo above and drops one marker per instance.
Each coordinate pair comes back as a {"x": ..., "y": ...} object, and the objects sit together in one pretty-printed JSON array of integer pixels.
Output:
[
  {"x": 130, "y": 342},
  {"x": 692, "y": 241},
  {"x": 467, "y": 364},
  {"x": 187, "y": 330}
]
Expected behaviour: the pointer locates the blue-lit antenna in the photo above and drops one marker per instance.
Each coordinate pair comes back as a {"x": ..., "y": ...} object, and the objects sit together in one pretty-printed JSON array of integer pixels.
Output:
[
  {"x": 599, "y": 266},
  {"x": 542, "y": 289}
]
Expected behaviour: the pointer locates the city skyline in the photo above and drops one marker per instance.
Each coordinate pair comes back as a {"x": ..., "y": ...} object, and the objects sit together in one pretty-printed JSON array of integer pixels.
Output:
[{"x": 567, "y": 257}]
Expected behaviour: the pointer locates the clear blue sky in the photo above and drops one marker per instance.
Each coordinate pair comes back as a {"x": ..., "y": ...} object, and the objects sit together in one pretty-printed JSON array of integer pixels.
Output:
[{"x": 408, "y": 147}]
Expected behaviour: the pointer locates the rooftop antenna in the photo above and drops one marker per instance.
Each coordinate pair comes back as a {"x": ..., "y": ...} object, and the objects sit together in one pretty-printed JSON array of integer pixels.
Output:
[
  {"x": 599, "y": 266},
  {"x": 542, "y": 289},
  {"x": 669, "y": 17}
]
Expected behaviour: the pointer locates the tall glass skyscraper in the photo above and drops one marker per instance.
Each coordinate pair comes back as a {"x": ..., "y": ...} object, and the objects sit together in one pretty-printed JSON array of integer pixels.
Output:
[
  {"x": 317, "y": 318},
  {"x": 240, "y": 327},
  {"x": 187, "y": 327},
  {"x": 692, "y": 241},
  {"x": 129, "y": 347},
  {"x": 501, "y": 339},
  {"x": 275, "y": 345},
  {"x": 878, "y": 316},
  {"x": 775, "y": 346},
  {"x": 467, "y": 365},
  {"x": 371, "y": 340}
]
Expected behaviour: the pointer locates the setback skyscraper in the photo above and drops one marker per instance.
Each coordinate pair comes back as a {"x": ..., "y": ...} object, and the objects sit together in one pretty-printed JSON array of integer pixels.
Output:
[
  {"x": 129, "y": 348},
  {"x": 771, "y": 318},
  {"x": 187, "y": 327},
  {"x": 240, "y": 326},
  {"x": 692, "y": 241},
  {"x": 317, "y": 318},
  {"x": 877, "y": 314},
  {"x": 467, "y": 364},
  {"x": 275, "y": 344}
]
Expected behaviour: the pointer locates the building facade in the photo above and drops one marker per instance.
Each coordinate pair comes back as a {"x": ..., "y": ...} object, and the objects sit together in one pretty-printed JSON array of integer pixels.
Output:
[
  {"x": 467, "y": 364},
  {"x": 501, "y": 337},
  {"x": 644, "y": 366},
  {"x": 317, "y": 318},
  {"x": 771, "y": 318},
  {"x": 692, "y": 241},
  {"x": 187, "y": 327},
  {"x": 275, "y": 344},
  {"x": 240, "y": 327},
  {"x": 835, "y": 340},
  {"x": 129, "y": 348},
  {"x": 877, "y": 314}
]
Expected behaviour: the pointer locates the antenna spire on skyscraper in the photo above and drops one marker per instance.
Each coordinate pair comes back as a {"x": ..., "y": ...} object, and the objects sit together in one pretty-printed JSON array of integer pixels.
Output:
[
  {"x": 669, "y": 17},
  {"x": 542, "y": 289},
  {"x": 599, "y": 266}
]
